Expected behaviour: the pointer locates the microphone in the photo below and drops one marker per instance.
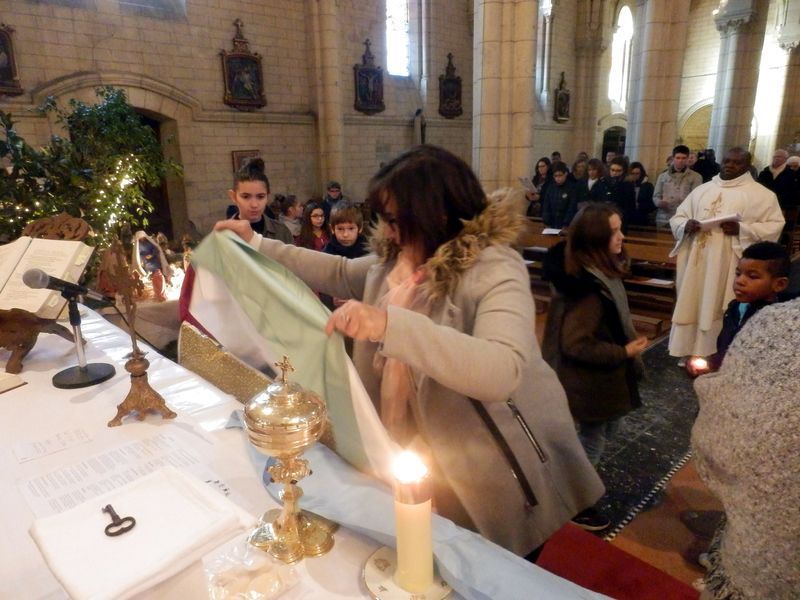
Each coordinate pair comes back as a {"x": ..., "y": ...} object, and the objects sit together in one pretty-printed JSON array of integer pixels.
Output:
[{"x": 38, "y": 279}]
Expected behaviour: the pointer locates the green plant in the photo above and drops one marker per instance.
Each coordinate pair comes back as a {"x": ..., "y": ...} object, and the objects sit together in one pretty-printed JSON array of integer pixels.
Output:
[{"x": 99, "y": 172}]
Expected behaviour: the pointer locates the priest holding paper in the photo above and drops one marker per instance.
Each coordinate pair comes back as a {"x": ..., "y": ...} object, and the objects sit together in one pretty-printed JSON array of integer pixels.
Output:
[{"x": 713, "y": 225}]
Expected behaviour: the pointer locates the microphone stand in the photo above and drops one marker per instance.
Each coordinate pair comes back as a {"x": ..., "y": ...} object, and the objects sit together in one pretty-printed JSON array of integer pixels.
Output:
[{"x": 84, "y": 374}]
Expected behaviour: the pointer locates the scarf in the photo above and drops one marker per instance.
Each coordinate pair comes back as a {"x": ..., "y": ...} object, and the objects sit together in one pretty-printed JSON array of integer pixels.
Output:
[{"x": 397, "y": 386}]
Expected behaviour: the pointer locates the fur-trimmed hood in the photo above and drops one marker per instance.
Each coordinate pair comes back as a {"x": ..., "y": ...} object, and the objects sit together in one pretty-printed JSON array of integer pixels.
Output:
[{"x": 501, "y": 223}]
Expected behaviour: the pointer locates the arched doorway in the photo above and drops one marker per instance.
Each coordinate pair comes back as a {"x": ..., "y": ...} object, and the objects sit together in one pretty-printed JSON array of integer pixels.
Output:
[
  {"x": 694, "y": 132},
  {"x": 161, "y": 218},
  {"x": 614, "y": 141}
]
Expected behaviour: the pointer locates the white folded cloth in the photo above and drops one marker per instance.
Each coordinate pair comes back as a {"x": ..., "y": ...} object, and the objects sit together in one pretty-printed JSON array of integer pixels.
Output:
[{"x": 178, "y": 520}]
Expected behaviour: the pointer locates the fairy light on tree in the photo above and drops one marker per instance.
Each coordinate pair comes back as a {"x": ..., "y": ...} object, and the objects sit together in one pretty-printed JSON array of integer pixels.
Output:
[{"x": 98, "y": 171}]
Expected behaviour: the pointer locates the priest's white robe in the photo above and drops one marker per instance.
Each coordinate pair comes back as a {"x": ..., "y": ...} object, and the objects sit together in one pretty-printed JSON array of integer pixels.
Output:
[{"x": 707, "y": 259}]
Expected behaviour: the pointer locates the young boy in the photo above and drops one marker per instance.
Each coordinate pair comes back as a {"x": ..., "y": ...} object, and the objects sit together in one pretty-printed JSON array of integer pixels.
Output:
[
  {"x": 347, "y": 223},
  {"x": 761, "y": 275},
  {"x": 560, "y": 202}
]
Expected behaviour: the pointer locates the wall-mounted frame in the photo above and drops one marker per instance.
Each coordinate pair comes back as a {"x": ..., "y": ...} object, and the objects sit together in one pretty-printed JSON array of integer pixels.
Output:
[
  {"x": 9, "y": 78},
  {"x": 242, "y": 74},
  {"x": 450, "y": 91},
  {"x": 561, "y": 106},
  {"x": 240, "y": 158},
  {"x": 368, "y": 84}
]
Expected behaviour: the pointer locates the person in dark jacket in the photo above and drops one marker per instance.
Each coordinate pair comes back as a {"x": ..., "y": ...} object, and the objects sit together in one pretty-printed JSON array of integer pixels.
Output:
[
  {"x": 645, "y": 213},
  {"x": 779, "y": 178},
  {"x": 589, "y": 336},
  {"x": 561, "y": 198},
  {"x": 614, "y": 189}
]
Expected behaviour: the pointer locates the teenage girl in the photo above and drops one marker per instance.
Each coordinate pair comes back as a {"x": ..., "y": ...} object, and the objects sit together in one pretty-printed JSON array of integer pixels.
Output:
[
  {"x": 314, "y": 233},
  {"x": 589, "y": 337}
]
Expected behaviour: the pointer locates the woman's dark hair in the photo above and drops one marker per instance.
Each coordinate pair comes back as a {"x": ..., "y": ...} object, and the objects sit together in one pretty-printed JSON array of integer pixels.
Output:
[
  {"x": 285, "y": 202},
  {"x": 642, "y": 172},
  {"x": 306, "y": 237},
  {"x": 597, "y": 165},
  {"x": 252, "y": 170},
  {"x": 434, "y": 191},
  {"x": 537, "y": 178},
  {"x": 588, "y": 239}
]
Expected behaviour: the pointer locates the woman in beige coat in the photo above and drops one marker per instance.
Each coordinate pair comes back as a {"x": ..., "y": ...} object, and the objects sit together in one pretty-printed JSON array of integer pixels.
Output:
[{"x": 443, "y": 317}]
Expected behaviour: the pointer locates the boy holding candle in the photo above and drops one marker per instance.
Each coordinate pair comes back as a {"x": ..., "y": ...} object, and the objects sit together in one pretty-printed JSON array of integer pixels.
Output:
[{"x": 762, "y": 274}]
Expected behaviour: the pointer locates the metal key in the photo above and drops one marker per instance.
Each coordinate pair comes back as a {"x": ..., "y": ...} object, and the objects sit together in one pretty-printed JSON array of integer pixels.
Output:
[{"x": 117, "y": 526}]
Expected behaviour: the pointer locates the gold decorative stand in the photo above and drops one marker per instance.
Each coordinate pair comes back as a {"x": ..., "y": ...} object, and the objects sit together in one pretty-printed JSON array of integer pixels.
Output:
[
  {"x": 282, "y": 422},
  {"x": 142, "y": 398}
]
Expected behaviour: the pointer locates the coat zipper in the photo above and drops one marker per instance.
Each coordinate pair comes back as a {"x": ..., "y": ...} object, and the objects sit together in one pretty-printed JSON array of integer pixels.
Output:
[{"x": 531, "y": 438}]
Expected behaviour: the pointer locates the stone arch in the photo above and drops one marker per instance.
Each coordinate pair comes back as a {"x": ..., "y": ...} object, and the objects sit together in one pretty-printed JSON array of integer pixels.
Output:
[
  {"x": 610, "y": 121},
  {"x": 694, "y": 124},
  {"x": 153, "y": 98}
]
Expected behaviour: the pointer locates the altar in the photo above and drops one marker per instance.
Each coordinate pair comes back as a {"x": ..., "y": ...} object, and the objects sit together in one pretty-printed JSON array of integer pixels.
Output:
[{"x": 58, "y": 453}]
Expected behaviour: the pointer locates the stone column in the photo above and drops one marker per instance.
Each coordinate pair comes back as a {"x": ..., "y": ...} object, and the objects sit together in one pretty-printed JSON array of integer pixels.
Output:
[
  {"x": 328, "y": 92},
  {"x": 741, "y": 24},
  {"x": 657, "y": 63},
  {"x": 788, "y": 131},
  {"x": 504, "y": 52},
  {"x": 590, "y": 45}
]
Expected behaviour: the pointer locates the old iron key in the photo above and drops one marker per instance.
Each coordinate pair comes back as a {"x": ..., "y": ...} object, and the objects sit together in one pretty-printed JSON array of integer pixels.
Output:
[{"x": 117, "y": 526}]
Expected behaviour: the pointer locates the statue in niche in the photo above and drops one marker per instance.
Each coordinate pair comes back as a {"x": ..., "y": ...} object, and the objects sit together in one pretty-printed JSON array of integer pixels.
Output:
[
  {"x": 368, "y": 84},
  {"x": 9, "y": 80},
  {"x": 561, "y": 109},
  {"x": 450, "y": 91},
  {"x": 243, "y": 75}
]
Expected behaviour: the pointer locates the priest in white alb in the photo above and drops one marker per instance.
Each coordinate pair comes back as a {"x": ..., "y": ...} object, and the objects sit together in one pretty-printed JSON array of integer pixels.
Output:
[{"x": 747, "y": 212}]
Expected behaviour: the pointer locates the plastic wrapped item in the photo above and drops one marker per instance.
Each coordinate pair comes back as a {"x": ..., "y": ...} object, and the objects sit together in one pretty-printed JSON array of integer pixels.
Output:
[{"x": 239, "y": 571}]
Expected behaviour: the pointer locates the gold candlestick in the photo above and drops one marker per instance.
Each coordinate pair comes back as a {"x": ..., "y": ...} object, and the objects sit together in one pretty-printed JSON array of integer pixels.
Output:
[{"x": 282, "y": 422}]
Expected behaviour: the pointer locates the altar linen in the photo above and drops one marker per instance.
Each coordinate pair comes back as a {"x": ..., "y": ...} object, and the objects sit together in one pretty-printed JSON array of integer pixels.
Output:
[{"x": 178, "y": 520}]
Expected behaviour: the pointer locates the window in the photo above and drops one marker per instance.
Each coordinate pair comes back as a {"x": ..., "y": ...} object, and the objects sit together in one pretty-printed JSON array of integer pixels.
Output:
[
  {"x": 398, "y": 57},
  {"x": 156, "y": 9},
  {"x": 621, "y": 59},
  {"x": 545, "y": 43}
]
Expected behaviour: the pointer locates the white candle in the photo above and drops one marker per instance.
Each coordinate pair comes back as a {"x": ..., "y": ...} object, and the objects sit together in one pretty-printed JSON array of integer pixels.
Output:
[{"x": 412, "y": 510}]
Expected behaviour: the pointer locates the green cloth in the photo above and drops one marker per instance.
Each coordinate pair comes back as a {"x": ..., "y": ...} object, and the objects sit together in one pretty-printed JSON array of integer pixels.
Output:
[{"x": 286, "y": 313}]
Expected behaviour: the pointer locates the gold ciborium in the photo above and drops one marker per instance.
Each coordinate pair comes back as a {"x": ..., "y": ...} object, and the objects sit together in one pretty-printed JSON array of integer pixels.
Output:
[{"x": 282, "y": 422}]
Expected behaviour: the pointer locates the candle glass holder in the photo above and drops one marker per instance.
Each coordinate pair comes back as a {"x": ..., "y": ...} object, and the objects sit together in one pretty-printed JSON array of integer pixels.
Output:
[{"x": 282, "y": 422}]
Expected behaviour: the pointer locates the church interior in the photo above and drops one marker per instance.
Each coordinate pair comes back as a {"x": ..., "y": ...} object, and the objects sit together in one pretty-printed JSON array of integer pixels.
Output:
[{"x": 328, "y": 93}]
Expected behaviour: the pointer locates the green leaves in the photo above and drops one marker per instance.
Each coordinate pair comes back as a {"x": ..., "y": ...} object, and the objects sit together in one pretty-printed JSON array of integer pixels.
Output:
[{"x": 99, "y": 172}]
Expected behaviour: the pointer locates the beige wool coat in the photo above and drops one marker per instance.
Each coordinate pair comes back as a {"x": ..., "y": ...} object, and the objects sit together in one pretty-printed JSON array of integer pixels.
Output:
[{"x": 479, "y": 343}]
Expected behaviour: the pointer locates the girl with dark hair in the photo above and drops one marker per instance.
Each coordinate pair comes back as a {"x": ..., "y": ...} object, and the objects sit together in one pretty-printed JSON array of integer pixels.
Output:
[
  {"x": 291, "y": 213},
  {"x": 250, "y": 195},
  {"x": 542, "y": 178},
  {"x": 314, "y": 230},
  {"x": 589, "y": 336},
  {"x": 442, "y": 318},
  {"x": 595, "y": 171},
  {"x": 645, "y": 213}
]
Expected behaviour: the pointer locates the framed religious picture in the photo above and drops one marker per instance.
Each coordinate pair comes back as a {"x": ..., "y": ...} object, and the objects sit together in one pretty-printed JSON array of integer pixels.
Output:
[
  {"x": 240, "y": 158},
  {"x": 450, "y": 91},
  {"x": 561, "y": 108},
  {"x": 9, "y": 80},
  {"x": 368, "y": 84},
  {"x": 242, "y": 74}
]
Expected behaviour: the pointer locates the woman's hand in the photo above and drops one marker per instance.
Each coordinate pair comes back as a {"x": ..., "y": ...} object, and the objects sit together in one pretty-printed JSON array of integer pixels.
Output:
[
  {"x": 359, "y": 321},
  {"x": 237, "y": 226},
  {"x": 636, "y": 347}
]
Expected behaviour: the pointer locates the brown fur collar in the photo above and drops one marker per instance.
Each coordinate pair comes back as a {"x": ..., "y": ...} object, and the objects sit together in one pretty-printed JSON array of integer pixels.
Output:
[{"x": 501, "y": 223}]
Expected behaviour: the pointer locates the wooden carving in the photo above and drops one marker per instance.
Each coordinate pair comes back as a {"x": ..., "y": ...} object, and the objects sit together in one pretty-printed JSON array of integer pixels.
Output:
[
  {"x": 368, "y": 84},
  {"x": 19, "y": 330}
]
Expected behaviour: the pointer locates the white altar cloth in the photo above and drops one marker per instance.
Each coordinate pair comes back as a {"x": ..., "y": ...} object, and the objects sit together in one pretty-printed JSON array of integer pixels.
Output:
[{"x": 52, "y": 436}]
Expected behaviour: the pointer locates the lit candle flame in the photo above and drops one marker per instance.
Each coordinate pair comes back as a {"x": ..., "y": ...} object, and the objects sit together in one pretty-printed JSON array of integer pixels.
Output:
[
  {"x": 700, "y": 363},
  {"x": 408, "y": 468}
]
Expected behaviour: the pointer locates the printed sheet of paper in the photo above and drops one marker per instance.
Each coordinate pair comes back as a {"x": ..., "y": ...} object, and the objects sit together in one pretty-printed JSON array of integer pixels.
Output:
[
  {"x": 10, "y": 381},
  {"x": 61, "y": 489},
  {"x": 25, "y": 451}
]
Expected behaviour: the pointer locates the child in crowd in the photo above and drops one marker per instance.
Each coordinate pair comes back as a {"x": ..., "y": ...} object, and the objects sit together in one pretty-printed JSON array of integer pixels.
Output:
[
  {"x": 589, "y": 338},
  {"x": 314, "y": 232},
  {"x": 347, "y": 223},
  {"x": 291, "y": 212},
  {"x": 561, "y": 198},
  {"x": 761, "y": 275}
]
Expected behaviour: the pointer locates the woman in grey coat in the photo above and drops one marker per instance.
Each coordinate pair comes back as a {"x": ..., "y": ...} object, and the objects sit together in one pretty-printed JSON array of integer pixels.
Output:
[{"x": 443, "y": 320}]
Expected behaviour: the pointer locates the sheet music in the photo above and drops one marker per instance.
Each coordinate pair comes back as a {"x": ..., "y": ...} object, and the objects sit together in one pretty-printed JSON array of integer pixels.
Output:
[
  {"x": 9, "y": 257},
  {"x": 58, "y": 490}
]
